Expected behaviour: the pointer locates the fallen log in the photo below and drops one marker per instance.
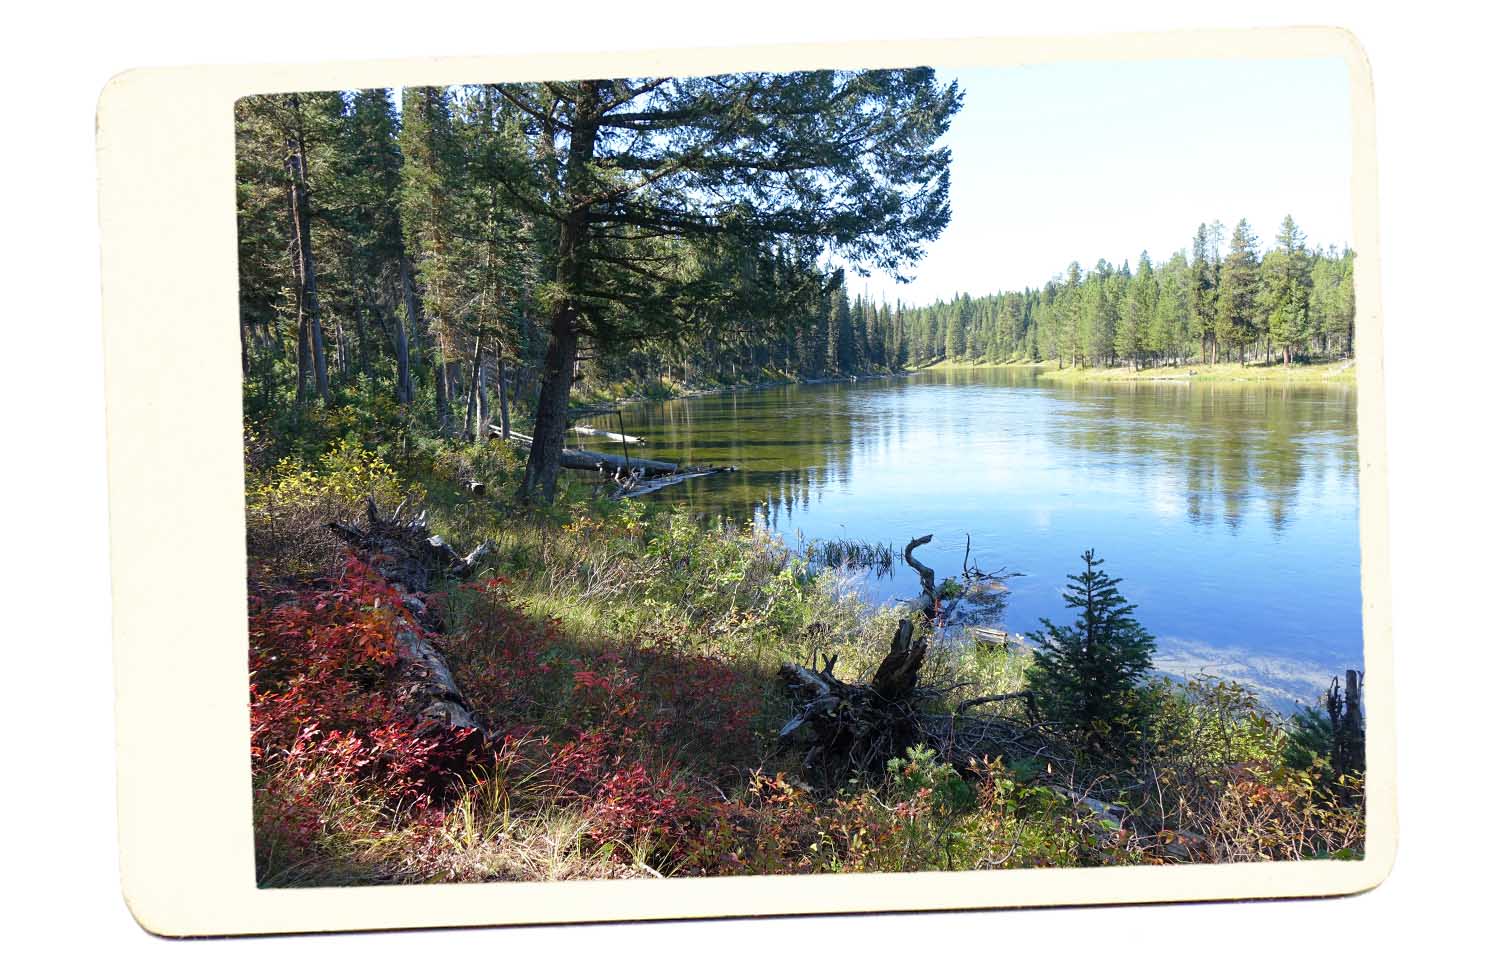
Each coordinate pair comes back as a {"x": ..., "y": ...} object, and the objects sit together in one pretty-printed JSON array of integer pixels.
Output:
[
  {"x": 407, "y": 552},
  {"x": 584, "y": 460},
  {"x": 612, "y": 436},
  {"x": 641, "y": 485},
  {"x": 411, "y": 558},
  {"x": 519, "y": 438}
]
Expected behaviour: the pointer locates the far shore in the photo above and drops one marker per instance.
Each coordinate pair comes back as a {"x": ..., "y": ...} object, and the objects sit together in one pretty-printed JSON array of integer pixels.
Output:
[{"x": 1337, "y": 372}]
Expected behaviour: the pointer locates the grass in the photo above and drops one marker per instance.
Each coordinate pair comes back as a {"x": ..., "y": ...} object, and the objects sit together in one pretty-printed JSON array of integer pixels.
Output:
[
  {"x": 1339, "y": 372},
  {"x": 966, "y": 365}
]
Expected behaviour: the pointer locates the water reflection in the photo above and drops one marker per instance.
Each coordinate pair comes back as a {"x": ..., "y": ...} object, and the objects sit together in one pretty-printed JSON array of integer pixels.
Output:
[
  {"x": 1208, "y": 452},
  {"x": 1231, "y": 509}
]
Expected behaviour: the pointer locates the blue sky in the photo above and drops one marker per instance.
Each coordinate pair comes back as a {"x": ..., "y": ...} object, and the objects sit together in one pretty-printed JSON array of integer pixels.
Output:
[{"x": 1077, "y": 161}]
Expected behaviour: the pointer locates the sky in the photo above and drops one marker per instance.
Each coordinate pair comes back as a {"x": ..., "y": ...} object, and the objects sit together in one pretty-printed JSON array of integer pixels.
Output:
[{"x": 1082, "y": 161}]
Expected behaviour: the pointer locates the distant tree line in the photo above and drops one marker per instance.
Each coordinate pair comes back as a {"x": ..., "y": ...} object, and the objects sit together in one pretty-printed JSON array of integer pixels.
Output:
[
  {"x": 1204, "y": 305},
  {"x": 1292, "y": 303}
]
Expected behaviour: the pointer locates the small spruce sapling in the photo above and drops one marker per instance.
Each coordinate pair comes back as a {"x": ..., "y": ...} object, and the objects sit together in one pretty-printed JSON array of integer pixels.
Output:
[{"x": 1085, "y": 675}]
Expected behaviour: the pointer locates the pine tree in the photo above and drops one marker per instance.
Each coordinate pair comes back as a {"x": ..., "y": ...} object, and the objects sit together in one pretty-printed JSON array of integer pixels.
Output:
[
  {"x": 1285, "y": 289},
  {"x": 1236, "y": 319},
  {"x": 1169, "y": 324},
  {"x": 669, "y": 200},
  {"x": 368, "y": 192},
  {"x": 1085, "y": 676},
  {"x": 840, "y": 334},
  {"x": 1203, "y": 293},
  {"x": 1132, "y": 337},
  {"x": 429, "y": 170}
]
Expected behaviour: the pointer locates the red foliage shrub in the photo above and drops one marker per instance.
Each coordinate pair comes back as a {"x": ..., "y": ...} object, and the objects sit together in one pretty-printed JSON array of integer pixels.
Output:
[
  {"x": 320, "y": 668},
  {"x": 322, "y": 661}
]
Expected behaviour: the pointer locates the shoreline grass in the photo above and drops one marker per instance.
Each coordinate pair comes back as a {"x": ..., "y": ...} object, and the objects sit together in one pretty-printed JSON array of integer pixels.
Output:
[
  {"x": 1339, "y": 372},
  {"x": 961, "y": 365}
]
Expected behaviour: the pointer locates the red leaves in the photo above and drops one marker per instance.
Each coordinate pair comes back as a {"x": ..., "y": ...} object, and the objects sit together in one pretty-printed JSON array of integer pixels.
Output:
[
  {"x": 322, "y": 707},
  {"x": 319, "y": 667}
]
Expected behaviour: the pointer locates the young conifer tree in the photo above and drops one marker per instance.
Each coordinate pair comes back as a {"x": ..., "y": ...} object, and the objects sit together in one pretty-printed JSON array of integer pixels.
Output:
[{"x": 1085, "y": 675}]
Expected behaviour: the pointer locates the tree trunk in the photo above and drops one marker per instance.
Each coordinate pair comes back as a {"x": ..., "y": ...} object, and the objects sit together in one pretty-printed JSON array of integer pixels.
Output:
[
  {"x": 306, "y": 266},
  {"x": 540, "y": 479},
  {"x": 504, "y": 402},
  {"x": 304, "y": 351},
  {"x": 473, "y": 430},
  {"x": 484, "y": 400},
  {"x": 404, "y": 393},
  {"x": 440, "y": 383}
]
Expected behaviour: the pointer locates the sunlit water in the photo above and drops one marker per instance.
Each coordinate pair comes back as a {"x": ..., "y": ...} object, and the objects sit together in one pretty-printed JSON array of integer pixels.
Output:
[{"x": 1230, "y": 510}]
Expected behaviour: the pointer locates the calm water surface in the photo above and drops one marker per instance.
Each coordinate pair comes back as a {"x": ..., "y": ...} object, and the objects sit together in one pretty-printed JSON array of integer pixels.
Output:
[{"x": 1230, "y": 510}]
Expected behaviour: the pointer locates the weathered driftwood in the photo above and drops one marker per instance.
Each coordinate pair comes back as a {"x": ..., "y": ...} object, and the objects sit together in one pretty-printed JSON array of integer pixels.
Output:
[
  {"x": 406, "y": 553},
  {"x": 510, "y": 435},
  {"x": 859, "y": 727},
  {"x": 612, "y": 436},
  {"x": 426, "y": 686},
  {"x": 585, "y": 460},
  {"x": 990, "y": 635},
  {"x": 641, "y": 485},
  {"x": 634, "y": 476}
]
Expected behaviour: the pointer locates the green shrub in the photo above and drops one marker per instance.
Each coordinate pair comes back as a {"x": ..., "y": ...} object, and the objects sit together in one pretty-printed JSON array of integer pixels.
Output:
[{"x": 1086, "y": 675}]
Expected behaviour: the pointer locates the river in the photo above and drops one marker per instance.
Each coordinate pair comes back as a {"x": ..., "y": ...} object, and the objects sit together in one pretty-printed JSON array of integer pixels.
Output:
[{"x": 1230, "y": 510}]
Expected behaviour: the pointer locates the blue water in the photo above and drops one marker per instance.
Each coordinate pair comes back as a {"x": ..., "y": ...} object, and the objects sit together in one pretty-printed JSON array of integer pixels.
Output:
[{"x": 1230, "y": 510}]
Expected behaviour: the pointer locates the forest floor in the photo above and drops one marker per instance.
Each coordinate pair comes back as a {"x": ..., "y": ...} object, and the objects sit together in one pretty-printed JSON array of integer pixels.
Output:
[{"x": 622, "y": 658}]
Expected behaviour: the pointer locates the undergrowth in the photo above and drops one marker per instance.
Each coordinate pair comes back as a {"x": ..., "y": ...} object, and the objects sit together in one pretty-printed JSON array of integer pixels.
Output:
[{"x": 623, "y": 657}]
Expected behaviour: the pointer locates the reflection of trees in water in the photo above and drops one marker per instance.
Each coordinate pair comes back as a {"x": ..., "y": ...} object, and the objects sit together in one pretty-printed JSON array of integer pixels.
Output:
[
  {"x": 790, "y": 444},
  {"x": 1219, "y": 450},
  {"x": 1225, "y": 446}
]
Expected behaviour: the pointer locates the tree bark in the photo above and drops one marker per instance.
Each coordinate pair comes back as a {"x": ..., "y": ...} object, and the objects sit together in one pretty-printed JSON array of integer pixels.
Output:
[
  {"x": 504, "y": 402},
  {"x": 473, "y": 429},
  {"x": 540, "y": 479},
  {"x": 440, "y": 384},
  {"x": 306, "y": 266},
  {"x": 404, "y": 391}
]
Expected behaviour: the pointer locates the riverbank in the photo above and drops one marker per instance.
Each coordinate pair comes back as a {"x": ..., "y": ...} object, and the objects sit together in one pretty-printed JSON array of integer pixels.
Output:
[
  {"x": 624, "y": 660},
  {"x": 947, "y": 365},
  {"x": 621, "y": 393},
  {"x": 1340, "y": 372}
]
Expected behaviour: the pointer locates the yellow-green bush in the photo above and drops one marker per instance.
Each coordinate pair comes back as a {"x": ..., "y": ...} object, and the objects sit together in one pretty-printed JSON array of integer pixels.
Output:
[{"x": 288, "y": 507}]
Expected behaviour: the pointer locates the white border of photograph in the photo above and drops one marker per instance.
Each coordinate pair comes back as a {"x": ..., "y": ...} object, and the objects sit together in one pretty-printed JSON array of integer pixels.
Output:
[{"x": 176, "y": 484}]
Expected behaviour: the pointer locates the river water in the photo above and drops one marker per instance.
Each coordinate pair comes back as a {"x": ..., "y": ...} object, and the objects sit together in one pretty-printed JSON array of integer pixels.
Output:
[{"x": 1229, "y": 510}]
